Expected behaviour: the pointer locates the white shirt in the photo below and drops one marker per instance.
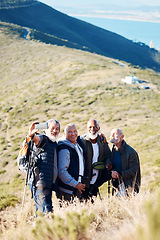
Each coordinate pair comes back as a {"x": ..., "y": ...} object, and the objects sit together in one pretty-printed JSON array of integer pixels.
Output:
[
  {"x": 95, "y": 159},
  {"x": 81, "y": 161}
]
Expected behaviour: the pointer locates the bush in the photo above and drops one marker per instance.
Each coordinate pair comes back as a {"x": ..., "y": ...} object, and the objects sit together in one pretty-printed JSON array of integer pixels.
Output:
[
  {"x": 4, "y": 163},
  {"x": 151, "y": 230},
  {"x": 73, "y": 227},
  {"x": 7, "y": 200}
]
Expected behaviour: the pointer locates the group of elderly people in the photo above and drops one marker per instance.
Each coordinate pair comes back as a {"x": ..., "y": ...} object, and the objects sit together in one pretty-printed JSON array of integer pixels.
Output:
[{"x": 76, "y": 166}]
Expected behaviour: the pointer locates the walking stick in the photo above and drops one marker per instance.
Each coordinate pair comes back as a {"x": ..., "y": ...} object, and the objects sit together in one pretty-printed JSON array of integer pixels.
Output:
[
  {"x": 109, "y": 188},
  {"x": 99, "y": 195},
  {"x": 29, "y": 164}
]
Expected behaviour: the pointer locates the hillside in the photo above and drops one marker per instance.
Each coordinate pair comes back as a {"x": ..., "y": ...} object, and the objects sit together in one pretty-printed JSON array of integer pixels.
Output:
[
  {"x": 79, "y": 34},
  {"x": 16, "y": 3},
  {"x": 40, "y": 81}
]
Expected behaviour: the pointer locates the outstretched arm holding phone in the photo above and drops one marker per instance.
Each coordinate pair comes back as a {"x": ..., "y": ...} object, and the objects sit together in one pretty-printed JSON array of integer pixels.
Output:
[{"x": 32, "y": 133}]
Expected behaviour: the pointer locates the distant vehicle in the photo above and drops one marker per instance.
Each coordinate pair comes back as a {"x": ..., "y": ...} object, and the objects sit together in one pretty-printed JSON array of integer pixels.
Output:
[{"x": 130, "y": 79}]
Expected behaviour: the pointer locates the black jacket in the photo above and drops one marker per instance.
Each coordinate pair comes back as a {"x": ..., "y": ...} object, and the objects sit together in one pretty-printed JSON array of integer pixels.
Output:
[{"x": 131, "y": 173}]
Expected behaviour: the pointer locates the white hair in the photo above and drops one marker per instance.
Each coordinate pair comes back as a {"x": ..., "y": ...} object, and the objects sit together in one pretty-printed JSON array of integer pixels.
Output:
[
  {"x": 69, "y": 125},
  {"x": 54, "y": 121}
]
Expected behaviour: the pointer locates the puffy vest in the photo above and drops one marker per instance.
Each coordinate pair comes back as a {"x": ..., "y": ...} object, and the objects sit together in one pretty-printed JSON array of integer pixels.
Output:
[
  {"x": 44, "y": 169},
  {"x": 73, "y": 168}
]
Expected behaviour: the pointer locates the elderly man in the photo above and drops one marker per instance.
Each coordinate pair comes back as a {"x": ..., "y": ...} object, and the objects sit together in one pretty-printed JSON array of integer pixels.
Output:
[
  {"x": 43, "y": 170},
  {"x": 126, "y": 173},
  {"x": 98, "y": 153},
  {"x": 71, "y": 164}
]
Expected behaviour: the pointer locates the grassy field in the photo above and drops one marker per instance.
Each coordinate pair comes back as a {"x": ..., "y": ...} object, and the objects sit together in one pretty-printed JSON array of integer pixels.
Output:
[{"x": 40, "y": 81}]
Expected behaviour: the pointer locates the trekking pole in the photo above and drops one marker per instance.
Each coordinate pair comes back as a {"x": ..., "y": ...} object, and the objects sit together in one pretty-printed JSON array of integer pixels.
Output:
[
  {"x": 25, "y": 186},
  {"x": 29, "y": 163},
  {"x": 23, "y": 196},
  {"x": 99, "y": 195},
  {"x": 109, "y": 188}
]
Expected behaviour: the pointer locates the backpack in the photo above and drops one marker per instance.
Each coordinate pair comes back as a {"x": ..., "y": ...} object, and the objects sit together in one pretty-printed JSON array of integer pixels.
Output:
[
  {"x": 27, "y": 161},
  {"x": 24, "y": 153},
  {"x": 28, "y": 155}
]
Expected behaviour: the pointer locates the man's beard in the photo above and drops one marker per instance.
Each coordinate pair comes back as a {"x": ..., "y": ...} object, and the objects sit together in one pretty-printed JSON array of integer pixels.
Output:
[
  {"x": 53, "y": 138},
  {"x": 93, "y": 136},
  {"x": 113, "y": 140}
]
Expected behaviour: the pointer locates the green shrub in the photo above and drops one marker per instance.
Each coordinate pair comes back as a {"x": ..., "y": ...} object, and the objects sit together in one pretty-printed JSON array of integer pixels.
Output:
[
  {"x": 152, "y": 230},
  {"x": 17, "y": 183},
  {"x": 4, "y": 163},
  {"x": 74, "y": 226},
  {"x": 4, "y": 147},
  {"x": 14, "y": 156},
  {"x": 3, "y": 140},
  {"x": 15, "y": 148},
  {"x": 17, "y": 175},
  {"x": 7, "y": 201}
]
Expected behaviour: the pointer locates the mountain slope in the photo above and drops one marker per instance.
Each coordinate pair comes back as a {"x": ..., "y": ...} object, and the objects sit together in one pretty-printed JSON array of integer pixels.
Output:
[
  {"x": 41, "y": 81},
  {"x": 94, "y": 39}
]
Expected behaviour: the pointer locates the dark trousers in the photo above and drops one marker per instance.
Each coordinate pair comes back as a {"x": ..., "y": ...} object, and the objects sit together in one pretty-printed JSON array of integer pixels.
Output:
[{"x": 68, "y": 197}]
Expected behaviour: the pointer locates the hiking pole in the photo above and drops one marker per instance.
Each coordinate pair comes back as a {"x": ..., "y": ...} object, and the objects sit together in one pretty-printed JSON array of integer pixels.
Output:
[
  {"x": 29, "y": 163},
  {"x": 99, "y": 195},
  {"x": 109, "y": 188},
  {"x": 24, "y": 196}
]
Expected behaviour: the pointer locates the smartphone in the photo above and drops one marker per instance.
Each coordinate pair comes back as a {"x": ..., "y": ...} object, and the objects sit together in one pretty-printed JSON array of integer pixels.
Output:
[{"x": 43, "y": 125}]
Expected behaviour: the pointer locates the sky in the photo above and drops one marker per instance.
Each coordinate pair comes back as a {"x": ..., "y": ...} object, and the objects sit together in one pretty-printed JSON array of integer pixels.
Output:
[
  {"x": 141, "y": 10},
  {"x": 73, "y": 3},
  {"x": 104, "y": 8}
]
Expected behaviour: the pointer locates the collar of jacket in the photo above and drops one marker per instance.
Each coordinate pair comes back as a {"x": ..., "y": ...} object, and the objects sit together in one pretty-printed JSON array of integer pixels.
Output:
[
  {"x": 122, "y": 148},
  {"x": 87, "y": 138}
]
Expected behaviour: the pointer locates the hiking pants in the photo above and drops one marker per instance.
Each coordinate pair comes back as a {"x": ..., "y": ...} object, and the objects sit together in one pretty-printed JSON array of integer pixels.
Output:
[{"x": 43, "y": 199}]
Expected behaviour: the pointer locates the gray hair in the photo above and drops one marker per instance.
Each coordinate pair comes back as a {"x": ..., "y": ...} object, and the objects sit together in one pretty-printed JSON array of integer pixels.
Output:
[
  {"x": 119, "y": 130},
  {"x": 69, "y": 125},
  {"x": 54, "y": 121}
]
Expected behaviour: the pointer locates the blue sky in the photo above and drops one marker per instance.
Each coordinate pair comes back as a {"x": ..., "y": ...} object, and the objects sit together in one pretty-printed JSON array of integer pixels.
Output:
[
  {"x": 141, "y": 10},
  {"x": 97, "y": 8},
  {"x": 73, "y": 3}
]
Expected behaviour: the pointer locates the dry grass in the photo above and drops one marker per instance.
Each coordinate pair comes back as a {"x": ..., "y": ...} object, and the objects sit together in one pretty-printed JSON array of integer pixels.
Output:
[{"x": 119, "y": 218}]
